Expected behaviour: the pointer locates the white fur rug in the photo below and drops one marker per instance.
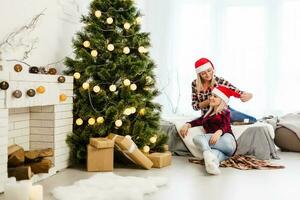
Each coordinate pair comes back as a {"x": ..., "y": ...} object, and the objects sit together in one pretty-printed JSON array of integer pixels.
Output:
[{"x": 108, "y": 186}]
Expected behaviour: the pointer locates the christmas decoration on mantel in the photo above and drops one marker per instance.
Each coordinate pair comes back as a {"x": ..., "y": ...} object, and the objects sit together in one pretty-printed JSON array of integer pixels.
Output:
[{"x": 114, "y": 80}]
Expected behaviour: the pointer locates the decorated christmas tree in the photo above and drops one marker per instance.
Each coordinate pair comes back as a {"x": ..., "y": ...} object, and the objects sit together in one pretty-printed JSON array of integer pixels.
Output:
[{"x": 114, "y": 83}]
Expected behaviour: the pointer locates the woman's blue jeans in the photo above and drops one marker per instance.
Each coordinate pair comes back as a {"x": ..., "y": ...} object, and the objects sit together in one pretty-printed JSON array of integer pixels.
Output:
[
  {"x": 236, "y": 116},
  {"x": 223, "y": 149}
]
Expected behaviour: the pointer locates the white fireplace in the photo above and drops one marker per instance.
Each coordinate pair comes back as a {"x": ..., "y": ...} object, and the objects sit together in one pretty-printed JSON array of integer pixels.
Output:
[{"x": 35, "y": 122}]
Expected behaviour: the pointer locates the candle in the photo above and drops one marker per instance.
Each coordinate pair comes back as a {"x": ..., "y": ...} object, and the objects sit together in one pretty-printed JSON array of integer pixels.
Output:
[
  {"x": 36, "y": 192},
  {"x": 17, "y": 190}
]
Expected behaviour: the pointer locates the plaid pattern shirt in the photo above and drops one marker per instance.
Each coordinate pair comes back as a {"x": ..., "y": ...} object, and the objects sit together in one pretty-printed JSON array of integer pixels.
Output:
[
  {"x": 215, "y": 122},
  {"x": 204, "y": 95}
]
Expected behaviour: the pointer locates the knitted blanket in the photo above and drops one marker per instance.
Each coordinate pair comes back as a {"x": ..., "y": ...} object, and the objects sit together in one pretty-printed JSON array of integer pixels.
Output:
[{"x": 243, "y": 162}]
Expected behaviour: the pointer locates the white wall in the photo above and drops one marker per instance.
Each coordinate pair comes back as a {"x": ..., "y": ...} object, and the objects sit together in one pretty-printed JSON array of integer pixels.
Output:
[{"x": 51, "y": 36}]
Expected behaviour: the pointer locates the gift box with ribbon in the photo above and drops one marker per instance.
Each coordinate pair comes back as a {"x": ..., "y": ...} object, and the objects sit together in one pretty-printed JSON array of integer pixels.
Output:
[
  {"x": 131, "y": 151},
  {"x": 160, "y": 159}
]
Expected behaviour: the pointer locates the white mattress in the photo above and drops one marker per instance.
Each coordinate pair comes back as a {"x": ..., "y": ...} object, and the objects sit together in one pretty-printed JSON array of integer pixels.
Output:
[{"x": 237, "y": 130}]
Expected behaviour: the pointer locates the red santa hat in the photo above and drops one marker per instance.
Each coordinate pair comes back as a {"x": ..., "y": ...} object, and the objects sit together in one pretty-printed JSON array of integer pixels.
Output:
[
  {"x": 203, "y": 64},
  {"x": 225, "y": 93}
]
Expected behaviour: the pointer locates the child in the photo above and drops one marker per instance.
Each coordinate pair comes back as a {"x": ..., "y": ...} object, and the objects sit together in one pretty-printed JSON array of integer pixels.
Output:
[{"x": 219, "y": 142}]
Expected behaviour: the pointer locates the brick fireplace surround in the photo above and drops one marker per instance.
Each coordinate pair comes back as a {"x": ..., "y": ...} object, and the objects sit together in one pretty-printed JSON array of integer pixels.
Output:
[{"x": 35, "y": 122}]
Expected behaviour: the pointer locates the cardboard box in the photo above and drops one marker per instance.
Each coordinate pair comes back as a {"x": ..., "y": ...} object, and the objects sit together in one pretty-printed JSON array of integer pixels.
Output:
[
  {"x": 161, "y": 159},
  {"x": 131, "y": 151},
  {"x": 101, "y": 157}
]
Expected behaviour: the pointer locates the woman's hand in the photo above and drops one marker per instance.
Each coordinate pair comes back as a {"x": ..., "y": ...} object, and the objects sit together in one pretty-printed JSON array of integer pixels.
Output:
[
  {"x": 215, "y": 137},
  {"x": 184, "y": 129},
  {"x": 246, "y": 96}
]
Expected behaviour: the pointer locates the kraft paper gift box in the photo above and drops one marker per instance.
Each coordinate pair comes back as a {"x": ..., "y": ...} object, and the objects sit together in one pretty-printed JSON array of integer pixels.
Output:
[
  {"x": 131, "y": 151},
  {"x": 160, "y": 159}
]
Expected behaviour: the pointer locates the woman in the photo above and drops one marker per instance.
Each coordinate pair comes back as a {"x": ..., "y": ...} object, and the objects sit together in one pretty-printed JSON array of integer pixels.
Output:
[
  {"x": 219, "y": 142},
  {"x": 201, "y": 90}
]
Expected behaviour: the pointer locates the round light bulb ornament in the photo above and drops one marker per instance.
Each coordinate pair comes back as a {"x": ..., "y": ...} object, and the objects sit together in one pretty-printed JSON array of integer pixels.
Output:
[
  {"x": 94, "y": 53},
  {"x": 91, "y": 121},
  {"x": 133, "y": 110},
  {"x": 138, "y": 20},
  {"x": 133, "y": 87},
  {"x": 118, "y": 123},
  {"x": 109, "y": 20},
  {"x": 126, "y": 82},
  {"x": 110, "y": 47},
  {"x": 127, "y": 111},
  {"x": 86, "y": 44},
  {"x": 141, "y": 49},
  {"x": 127, "y": 26},
  {"x": 113, "y": 88},
  {"x": 79, "y": 121},
  {"x": 76, "y": 75},
  {"x": 98, "y": 13},
  {"x": 96, "y": 89},
  {"x": 126, "y": 50},
  {"x": 100, "y": 120},
  {"x": 146, "y": 149},
  {"x": 153, "y": 140},
  {"x": 85, "y": 85}
]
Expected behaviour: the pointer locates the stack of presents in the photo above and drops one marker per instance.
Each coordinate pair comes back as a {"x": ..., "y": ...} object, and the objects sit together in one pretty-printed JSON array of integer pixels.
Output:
[{"x": 101, "y": 154}]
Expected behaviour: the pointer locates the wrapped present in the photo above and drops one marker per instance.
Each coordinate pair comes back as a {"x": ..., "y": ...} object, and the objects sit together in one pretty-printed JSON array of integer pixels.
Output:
[
  {"x": 131, "y": 151},
  {"x": 100, "y": 157},
  {"x": 160, "y": 159}
]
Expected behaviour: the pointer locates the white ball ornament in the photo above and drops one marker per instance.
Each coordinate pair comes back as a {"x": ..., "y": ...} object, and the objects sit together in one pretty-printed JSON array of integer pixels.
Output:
[
  {"x": 133, "y": 87},
  {"x": 126, "y": 50},
  {"x": 91, "y": 121},
  {"x": 94, "y": 53},
  {"x": 85, "y": 85},
  {"x": 133, "y": 110},
  {"x": 126, "y": 82},
  {"x": 96, "y": 89},
  {"x": 141, "y": 49},
  {"x": 118, "y": 123},
  {"x": 109, "y": 20},
  {"x": 86, "y": 44},
  {"x": 127, "y": 111},
  {"x": 98, "y": 13},
  {"x": 113, "y": 88},
  {"x": 79, "y": 121},
  {"x": 100, "y": 120},
  {"x": 110, "y": 47},
  {"x": 127, "y": 26},
  {"x": 76, "y": 75},
  {"x": 146, "y": 149}
]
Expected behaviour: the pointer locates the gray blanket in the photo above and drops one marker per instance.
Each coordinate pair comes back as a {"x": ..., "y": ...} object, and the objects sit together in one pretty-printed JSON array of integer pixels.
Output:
[
  {"x": 254, "y": 141},
  {"x": 258, "y": 142},
  {"x": 290, "y": 121}
]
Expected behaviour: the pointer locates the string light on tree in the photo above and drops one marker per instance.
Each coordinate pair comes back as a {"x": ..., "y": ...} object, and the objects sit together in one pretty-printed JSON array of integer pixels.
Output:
[
  {"x": 109, "y": 20},
  {"x": 126, "y": 82},
  {"x": 85, "y": 85},
  {"x": 86, "y": 44},
  {"x": 149, "y": 79},
  {"x": 142, "y": 111},
  {"x": 77, "y": 75},
  {"x": 110, "y": 47},
  {"x": 133, "y": 87},
  {"x": 79, "y": 121},
  {"x": 138, "y": 20},
  {"x": 141, "y": 49},
  {"x": 98, "y": 13},
  {"x": 133, "y": 110},
  {"x": 91, "y": 121},
  {"x": 94, "y": 53},
  {"x": 118, "y": 123},
  {"x": 112, "y": 88},
  {"x": 96, "y": 89},
  {"x": 127, "y": 111},
  {"x": 126, "y": 50},
  {"x": 153, "y": 139},
  {"x": 127, "y": 26},
  {"x": 146, "y": 149},
  {"x": 100, "y": 120}
]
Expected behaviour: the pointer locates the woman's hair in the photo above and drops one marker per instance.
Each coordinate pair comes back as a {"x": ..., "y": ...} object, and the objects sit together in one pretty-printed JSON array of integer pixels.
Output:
[
  {"x": 219, "y": 109},
  {"x": 199, "y": 82}
]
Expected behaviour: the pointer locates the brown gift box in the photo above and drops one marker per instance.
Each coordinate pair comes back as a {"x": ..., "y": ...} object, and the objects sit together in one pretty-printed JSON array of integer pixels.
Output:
[
  {"x": 130, "y": 150},
  {"x": 160, "y": 159},
  {"x": 100, "y": 157}
]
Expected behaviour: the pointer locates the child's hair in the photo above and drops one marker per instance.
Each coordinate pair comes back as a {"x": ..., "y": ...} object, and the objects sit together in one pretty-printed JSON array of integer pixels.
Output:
[
  {"x": 199, "y": 82},
  {"x": 223, "y": 106}
]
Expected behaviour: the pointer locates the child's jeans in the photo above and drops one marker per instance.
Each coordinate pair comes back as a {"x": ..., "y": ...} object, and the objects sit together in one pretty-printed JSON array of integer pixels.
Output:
[{"x": 223, "y": 149}]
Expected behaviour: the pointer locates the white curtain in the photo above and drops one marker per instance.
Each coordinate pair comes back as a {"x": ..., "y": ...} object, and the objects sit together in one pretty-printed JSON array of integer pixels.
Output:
[{"x": 254, "y": 44}]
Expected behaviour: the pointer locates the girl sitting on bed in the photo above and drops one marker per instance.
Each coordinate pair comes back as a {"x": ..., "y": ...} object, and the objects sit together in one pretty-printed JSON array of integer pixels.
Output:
[{"x": 219, "y": 142}]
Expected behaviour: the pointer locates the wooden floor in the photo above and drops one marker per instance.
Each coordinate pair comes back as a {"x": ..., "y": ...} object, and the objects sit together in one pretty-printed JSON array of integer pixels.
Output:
[{"x": 190, "y": 181}]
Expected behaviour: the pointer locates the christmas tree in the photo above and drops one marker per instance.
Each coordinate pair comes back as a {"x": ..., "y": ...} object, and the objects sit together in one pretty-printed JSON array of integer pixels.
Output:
[{"x": 114, "y": 83}]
